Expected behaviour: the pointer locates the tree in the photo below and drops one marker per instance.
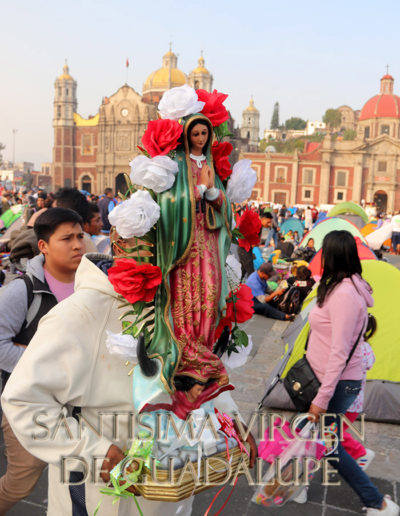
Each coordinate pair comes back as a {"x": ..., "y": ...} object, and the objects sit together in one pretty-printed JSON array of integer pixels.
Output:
[
  {"x": 332, "y": 118},
  {"x": 275, "y": 117},
  {"x": 262, "y": 145},
  {"x": 2, "y": 147},
  {"x": 316, "y": 137},
  {"x": 349, "y": 134},
  {"x": 295, "y": 123}
]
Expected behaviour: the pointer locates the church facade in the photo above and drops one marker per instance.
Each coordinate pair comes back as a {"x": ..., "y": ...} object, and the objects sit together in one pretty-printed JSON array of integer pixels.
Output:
[
  {"x": 365, "y": 170},
  {"x": 94, "y": 153}
]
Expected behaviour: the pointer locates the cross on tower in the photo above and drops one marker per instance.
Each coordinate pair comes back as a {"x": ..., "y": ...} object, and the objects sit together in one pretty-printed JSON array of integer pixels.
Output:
[{"x": 387, "y": 69}]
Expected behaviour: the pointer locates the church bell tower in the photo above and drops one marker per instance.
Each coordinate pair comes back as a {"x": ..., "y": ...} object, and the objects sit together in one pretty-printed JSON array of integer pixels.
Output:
[
  {"x": 250, "y": 129},
  {"x": 65, "y": 105}
]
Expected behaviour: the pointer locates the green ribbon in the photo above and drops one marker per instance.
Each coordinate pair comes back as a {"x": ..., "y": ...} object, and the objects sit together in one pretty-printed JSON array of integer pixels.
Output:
[{"x": 140, "y": 453}]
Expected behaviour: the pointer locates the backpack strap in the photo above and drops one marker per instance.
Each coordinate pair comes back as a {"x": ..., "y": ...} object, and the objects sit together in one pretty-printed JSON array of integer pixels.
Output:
[
  {"x": 27, "y": 279},
  {"x": 34, "y": 300}
]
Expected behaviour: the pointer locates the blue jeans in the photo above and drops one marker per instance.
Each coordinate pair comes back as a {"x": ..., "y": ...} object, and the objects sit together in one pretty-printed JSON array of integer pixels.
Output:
[
  {"x": 272, "y": 233},
  {"x": 268, "y": 310},
  {"x": 346, "y": 392}
]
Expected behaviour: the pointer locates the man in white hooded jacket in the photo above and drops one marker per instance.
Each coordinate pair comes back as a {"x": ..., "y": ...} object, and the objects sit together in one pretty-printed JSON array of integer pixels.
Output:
[{"x": 67, "y": 365}]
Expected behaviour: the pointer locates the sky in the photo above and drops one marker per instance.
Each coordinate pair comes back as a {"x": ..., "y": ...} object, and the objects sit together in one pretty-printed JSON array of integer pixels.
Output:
[{"x": 308, "y": 56}]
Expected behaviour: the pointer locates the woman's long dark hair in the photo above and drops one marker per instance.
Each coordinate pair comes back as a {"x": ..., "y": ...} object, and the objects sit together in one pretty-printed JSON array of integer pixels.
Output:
[{"x": 340, "y": 260}]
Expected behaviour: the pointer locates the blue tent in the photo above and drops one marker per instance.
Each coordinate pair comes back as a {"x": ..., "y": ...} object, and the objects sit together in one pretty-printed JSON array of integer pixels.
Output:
[{"x": 292, "y": 225}]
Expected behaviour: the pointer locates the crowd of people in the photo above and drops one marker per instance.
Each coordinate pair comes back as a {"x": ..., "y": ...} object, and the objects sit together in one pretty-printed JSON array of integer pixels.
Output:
[
  {"x": 22, "y": 243},
  {"x": 61, "y": 227}
]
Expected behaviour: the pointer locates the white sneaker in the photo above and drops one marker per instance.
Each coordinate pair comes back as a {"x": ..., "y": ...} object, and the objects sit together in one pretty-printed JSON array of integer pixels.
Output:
[
  {"x": 391, "y": 509},
  {"x": 302, "y": 496},
  {"x": 366, "y": 459}
]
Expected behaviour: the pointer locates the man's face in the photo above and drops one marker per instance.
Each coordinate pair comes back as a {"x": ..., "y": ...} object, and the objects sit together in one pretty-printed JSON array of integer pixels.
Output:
[
  {"x": 40, "y": 203},
  {"x": 65, "y": 247},
  {"x": 93, "y": 227},
  {"x": 266, "y": 222}
]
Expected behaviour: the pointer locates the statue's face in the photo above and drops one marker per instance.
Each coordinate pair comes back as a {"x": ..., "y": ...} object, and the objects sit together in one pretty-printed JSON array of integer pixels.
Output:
[
  {"x": 195, "y": 391},
  {"x": 198, "y": 138}
]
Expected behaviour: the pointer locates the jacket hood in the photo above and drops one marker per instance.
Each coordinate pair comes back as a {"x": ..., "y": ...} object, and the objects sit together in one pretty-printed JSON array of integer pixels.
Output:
[
  {"x": 34, "y": 266},
  {"x": 89, "y": 275},
  {"x": 363, "y": 288}
]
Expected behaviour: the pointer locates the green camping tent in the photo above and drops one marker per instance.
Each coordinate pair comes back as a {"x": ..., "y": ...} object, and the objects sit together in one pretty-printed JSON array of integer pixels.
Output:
[
  {"x": 326, "y": 226},
  {"x": 11, "y": 215},
  {"x": 382, "y": 394},
  {"x": 348, "y": 207}
]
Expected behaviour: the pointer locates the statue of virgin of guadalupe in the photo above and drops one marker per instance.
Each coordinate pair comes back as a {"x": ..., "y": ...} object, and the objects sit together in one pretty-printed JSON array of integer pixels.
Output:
[{"x": 193, "y": 241}]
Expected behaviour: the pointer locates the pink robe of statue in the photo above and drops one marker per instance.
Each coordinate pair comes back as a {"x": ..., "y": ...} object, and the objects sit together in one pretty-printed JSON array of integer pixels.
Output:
[{"x": 195, "y": 292}]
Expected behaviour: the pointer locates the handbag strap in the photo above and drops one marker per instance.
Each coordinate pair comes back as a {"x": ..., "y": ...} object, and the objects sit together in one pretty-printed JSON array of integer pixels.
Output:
[
  {"x": 351, "y": 352},
  {"x": 354, "y": 348}
]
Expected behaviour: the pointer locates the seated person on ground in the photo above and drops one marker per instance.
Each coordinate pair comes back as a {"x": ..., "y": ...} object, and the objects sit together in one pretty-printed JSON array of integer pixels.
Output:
[{"x": 262, "y": 296}]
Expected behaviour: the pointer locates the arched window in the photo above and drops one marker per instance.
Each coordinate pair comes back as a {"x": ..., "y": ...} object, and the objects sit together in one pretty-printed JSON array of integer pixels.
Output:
[
  {"x": 86, "y": 183},
  {"x": 120, "y": 183},
  {"x": 380, "y": 200}
]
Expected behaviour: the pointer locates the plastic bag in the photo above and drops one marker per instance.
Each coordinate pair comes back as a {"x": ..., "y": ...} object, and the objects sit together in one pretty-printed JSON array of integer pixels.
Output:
[{"x": 291, "y": 465}]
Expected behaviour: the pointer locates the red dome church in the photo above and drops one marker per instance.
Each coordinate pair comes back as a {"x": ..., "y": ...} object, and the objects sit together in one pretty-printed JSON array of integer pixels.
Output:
[
  {"x": 365, "y": 169},
  {"x": 381, "y": 113}
]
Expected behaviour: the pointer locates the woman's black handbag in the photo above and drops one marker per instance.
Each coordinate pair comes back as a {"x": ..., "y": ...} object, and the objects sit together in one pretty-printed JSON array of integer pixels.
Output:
[{"x": 301, "y": 382}]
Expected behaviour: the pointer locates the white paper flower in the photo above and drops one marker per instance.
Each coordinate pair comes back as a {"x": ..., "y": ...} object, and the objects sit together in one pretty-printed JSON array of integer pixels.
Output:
[
  {"x": 121, "y": 344},
  {"x": 179, "y": 102},
  {"x": 157, "y": 174},
  {"x": 233, "y": 271},
  {"x": 242, "y": 181},
  {"x": 135, "y": 216},
  {"x": 240, "y": 358}
]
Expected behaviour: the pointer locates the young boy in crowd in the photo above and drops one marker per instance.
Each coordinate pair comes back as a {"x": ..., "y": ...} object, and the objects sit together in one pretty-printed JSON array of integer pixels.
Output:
[{"x": 92, "y": 228}]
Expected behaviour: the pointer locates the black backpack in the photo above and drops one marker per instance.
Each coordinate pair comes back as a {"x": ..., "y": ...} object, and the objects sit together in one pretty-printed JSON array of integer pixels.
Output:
[
  {"x": 291, "y": 301},
  {"x": 39, "y": 302}
]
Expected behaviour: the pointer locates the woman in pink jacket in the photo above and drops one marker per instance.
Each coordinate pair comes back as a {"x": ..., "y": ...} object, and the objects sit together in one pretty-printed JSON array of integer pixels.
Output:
[{"x": 337, "y": 321}]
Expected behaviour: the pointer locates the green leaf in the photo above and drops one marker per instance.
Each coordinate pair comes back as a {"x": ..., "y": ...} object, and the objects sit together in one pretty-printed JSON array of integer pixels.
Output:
[
  {"x": 236, "y": 233},
  {"x": 222, "y": 131},
  {"x": 138, "y": 307},
  {"x": 239, "y": 339}
]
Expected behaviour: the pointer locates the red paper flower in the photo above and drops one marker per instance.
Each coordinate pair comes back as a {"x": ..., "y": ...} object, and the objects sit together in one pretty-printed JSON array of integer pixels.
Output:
[
  {"x": 243, "y": 307},
  {"x": 220, "y": 152},
  {"x": 135, "y": 281},
  {"x": 213, "y": 109},
  {"x": 161, "y": 137},
  {"x": 250, "y": 226}
]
